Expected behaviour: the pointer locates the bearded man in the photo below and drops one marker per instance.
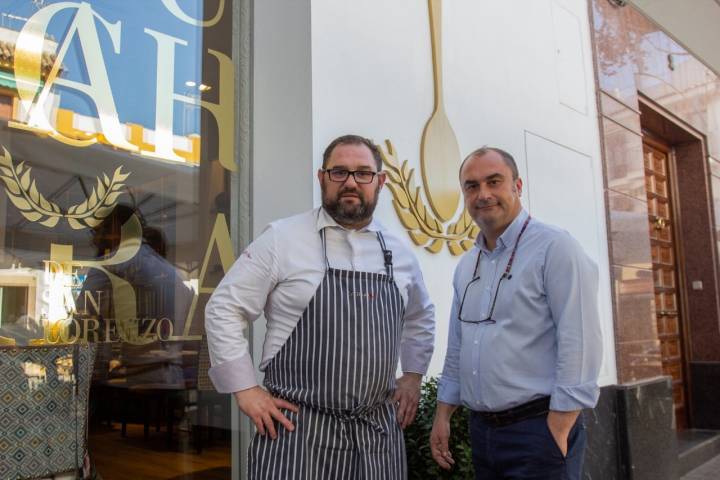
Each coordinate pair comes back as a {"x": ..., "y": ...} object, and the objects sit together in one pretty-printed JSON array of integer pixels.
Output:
[{"x": 344, "y": 300}]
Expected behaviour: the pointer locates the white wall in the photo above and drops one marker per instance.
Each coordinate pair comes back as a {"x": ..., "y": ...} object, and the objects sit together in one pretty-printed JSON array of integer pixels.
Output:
[{"x": 518, "y": 75}]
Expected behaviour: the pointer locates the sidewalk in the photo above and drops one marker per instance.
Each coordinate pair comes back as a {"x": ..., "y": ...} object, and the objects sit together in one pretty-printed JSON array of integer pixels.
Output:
[{"x": 707, "y": 471}]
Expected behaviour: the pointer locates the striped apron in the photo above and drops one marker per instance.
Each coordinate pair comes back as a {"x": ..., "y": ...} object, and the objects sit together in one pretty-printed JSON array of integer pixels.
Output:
[{"x": 338, "y": 366}]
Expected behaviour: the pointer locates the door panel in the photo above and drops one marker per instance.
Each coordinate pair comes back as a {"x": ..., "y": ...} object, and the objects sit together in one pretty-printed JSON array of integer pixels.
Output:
[{"x": 665, "y": 272}]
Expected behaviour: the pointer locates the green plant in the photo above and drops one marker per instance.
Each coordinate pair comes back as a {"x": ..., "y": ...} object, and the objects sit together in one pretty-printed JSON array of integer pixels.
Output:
[{"x": 417, "y": 441}]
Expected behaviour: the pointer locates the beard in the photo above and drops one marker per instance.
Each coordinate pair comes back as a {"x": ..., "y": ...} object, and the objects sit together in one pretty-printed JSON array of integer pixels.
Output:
[{"x": 350, "y": 214}]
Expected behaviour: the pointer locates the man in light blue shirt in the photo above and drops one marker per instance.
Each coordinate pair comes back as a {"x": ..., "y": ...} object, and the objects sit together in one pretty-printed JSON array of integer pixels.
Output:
[{"x": 524, "y": 343}]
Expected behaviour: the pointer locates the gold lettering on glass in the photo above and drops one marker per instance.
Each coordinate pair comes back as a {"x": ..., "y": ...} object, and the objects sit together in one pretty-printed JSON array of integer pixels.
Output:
[
  {"x": 41, "y": 80},
  {"x": 87, "y": 330},
  {"x": 65, "y": 332},
  {"x": 169, "y": 329},
  {"x": 96, "y": 304},
  {"x": 34, "y": 111},
  {"x": 166, "y": 97},
  {"x": 220, "y": 238},
  {"x": 175, "y": 9},
  {"x": 123, "y": 294},
  {"x": 109, "y": 330},
  {"x": 148, "y": 329}
]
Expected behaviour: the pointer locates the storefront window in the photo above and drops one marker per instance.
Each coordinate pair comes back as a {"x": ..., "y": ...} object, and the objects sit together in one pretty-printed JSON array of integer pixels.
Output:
[{"x": 117, "y": 143}]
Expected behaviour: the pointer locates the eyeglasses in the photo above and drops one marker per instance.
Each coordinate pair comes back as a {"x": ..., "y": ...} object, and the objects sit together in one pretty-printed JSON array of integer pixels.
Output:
[
  {"x": 505, "y": 275},
  {"x": 488, "y": 319},
  {"x": 341, "y": 175}
]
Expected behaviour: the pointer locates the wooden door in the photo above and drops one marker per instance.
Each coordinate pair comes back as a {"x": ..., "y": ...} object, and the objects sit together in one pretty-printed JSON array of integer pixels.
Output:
[{"x": 665, "y": 272}]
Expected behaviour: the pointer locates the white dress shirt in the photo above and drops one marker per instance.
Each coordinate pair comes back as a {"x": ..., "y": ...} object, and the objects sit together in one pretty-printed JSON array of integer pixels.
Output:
[{"x": 279, "y": 273}]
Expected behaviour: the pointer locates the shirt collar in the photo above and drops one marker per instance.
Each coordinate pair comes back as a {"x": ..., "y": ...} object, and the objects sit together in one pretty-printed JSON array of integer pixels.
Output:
[
  {"x": 508, "y": 237},
  {"x": 324, "y": 220}
]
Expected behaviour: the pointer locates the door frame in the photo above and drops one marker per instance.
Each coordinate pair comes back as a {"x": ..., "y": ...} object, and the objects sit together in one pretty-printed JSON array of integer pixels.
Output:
[
  {"x": 653, "y": 140},
  {"x": 661, "y": 129}
]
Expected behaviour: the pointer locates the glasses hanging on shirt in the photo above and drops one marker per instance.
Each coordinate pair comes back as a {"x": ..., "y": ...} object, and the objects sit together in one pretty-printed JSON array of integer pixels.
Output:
[{"x": 506, "y": 275}]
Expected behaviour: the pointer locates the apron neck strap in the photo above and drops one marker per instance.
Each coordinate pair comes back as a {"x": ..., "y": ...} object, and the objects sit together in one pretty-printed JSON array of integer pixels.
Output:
[
  {"x": 324, "y": 247},
  {"x": 387, "y": 254}
]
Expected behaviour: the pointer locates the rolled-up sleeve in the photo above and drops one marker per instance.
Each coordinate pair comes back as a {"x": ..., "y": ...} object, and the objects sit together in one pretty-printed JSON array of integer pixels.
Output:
[
  {"x": 418, "y": 335},
  {"x": 239, "y": 299},
  {"x": 571, "y": 280},
  {"x": 449, "y": 384}
]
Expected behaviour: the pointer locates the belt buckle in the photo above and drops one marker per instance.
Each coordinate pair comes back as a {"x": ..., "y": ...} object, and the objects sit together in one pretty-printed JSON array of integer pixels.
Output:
[
  {"x": 496, "y": 419},
  {"x": 505, "y": 420},
  {"x": 513, "y": 415}
]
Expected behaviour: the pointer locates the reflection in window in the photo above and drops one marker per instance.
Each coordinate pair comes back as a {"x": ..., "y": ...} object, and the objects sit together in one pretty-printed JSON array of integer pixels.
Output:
[
  {"x": 116, "y": 152},
  {"x": 35, "y": 373},
  {"x": 64, "y": 369},
  {"x": 13, "y": 305}
]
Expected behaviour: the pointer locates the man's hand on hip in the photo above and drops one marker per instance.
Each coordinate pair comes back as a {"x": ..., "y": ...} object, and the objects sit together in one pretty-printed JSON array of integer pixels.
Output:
[
  {"x": 262, "y": 408},
  {"x": 407, "y": 396},
  {"x": 440, "y": 436},
  {"x": 560, "y": 424}
]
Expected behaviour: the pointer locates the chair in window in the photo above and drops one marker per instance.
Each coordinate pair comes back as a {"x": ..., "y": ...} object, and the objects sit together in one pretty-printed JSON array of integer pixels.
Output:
[
  {"x": 153, "y": 389},
  {"x": 43, "y": 419}
]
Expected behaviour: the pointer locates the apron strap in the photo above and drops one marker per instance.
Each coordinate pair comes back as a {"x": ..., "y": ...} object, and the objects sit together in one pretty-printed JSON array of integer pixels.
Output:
[
  {"x": 324, "y": 246},
  {"x": 387, "y": 254}
]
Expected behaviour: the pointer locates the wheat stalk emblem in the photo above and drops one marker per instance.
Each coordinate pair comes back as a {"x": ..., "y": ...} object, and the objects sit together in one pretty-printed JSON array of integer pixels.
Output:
[
  {"x": 423, "y": 227},
  {"x": 23, "y": 193}
]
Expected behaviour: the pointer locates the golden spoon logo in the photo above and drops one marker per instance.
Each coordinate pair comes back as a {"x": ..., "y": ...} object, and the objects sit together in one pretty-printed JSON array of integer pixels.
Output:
[{"x": 439, "y": 162}]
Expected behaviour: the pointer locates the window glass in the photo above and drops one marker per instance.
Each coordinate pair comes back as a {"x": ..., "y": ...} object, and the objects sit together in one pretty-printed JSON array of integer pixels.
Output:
[{"x": 116, "y": 158}]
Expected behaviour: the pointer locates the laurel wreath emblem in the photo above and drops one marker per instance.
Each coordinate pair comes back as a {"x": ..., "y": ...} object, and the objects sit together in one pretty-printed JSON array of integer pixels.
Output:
[
  {"x": 423, "y": 227},
  {"x": 23, "y": 193}
]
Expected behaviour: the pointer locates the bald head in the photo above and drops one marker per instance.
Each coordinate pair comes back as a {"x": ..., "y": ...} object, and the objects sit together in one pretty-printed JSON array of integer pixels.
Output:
[{"x": 506, "y": 157}]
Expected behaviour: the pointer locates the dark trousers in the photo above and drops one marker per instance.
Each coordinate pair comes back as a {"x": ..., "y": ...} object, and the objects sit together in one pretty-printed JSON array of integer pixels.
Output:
[{"x": 525, "y": 450}]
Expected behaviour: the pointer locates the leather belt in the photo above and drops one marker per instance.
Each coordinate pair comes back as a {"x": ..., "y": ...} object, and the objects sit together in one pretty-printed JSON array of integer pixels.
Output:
[{"x": 533, "y": 408}]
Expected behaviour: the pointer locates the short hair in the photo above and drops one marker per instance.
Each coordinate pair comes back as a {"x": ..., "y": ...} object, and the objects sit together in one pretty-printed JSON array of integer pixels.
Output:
[
  {"x": 507, "y": 158},
  {"x": 353, "y": 140}
]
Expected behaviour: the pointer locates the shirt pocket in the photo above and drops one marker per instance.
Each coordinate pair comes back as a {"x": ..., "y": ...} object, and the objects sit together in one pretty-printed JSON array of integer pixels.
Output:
[{"x": 521, "y": 293}]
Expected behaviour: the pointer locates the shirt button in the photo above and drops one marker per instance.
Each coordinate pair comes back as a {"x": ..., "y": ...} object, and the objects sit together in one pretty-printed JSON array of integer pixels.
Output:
[
  {"x": 474, "y": 372},
  {"x": 493, "y": 262},
  {"x": 475, "y": 342},
  {"x": 487, "y": 288},
  {"x": 478, "y": 402}
]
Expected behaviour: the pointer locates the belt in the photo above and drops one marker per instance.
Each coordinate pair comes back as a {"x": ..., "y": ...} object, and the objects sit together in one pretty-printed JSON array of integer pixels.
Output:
[{"x": 533, "y": 408}]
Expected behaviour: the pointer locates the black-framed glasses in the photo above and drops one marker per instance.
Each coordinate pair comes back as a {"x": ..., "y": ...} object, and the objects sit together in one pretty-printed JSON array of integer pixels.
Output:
[
  {"x": 341, "y": 175},
  {"x": 506, "y": 275}
]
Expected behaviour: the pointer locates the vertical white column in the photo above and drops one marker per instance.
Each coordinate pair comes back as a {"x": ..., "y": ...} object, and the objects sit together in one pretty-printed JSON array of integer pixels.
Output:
[{"x": 280, "y": 133}]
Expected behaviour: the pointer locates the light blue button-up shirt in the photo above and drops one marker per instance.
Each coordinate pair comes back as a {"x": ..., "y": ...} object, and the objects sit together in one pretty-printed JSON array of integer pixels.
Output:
[{"x": 546, "y": 339}]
